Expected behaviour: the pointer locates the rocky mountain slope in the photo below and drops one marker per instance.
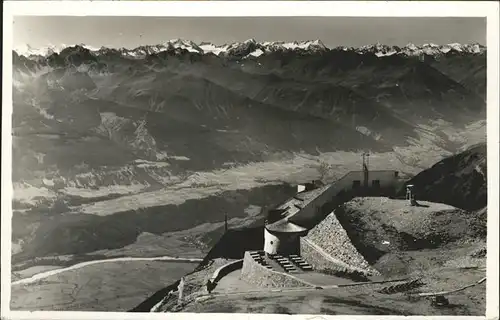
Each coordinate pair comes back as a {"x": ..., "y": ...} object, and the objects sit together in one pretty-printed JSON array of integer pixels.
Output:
[{"x": 459, "y": 180}]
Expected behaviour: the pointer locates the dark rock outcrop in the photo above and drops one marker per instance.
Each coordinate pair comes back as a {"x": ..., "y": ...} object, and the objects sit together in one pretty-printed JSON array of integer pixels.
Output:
[{"x": 459, "y": 180}]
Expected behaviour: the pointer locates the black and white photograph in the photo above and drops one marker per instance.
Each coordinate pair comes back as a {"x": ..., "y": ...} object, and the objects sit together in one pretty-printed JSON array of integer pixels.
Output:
[{"x": 297, "y": 165}]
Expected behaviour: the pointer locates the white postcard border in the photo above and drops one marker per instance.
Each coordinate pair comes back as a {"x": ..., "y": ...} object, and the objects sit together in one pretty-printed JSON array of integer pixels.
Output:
[{"x": 251, "y": 8}]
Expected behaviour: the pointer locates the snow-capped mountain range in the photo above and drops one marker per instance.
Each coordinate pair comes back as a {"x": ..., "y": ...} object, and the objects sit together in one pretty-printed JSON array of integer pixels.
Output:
[{"x": 253, "y": 48}]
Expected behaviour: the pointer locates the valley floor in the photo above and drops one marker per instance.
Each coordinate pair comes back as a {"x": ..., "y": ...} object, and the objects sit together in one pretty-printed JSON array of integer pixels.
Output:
[
  {"x": 48, "y": 271},
  {"x": 116, "y": 286}
]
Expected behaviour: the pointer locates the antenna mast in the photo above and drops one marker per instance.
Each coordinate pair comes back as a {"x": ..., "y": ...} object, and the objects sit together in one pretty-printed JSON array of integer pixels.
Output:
[
  {"x": 366, "y": 161},
  {"x": 366, "y": 156}
]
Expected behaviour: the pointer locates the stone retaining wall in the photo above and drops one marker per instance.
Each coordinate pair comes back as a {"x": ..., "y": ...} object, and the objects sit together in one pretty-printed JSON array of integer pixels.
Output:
[
  {"x": 253, "y": 272},
  {"x": 225, "y": 270},
  {"x": 315, "y": 258},
  {"x": 333, "y": 240}
]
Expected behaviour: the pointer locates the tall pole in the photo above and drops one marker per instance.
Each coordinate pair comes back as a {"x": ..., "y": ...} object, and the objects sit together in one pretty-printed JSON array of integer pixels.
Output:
[
  {"x": 365, "y": 170},
  {"x": 225, "y": 222},
  {"x": 366, "y": 160}
]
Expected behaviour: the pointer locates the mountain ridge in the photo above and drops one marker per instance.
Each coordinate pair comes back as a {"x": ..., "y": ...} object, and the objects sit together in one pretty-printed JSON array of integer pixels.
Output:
[
  {"x": 358, "y": 100},
  {"x": 259, "y": 48}
]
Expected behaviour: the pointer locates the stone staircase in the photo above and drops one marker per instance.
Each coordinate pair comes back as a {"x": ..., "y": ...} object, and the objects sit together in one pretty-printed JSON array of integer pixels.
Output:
[
  {"x": 284, "y": 263},
  {"x": 291, "y": 264},
  {"x": 300, "y": 262},
  {"x": 258, "y": 256}
]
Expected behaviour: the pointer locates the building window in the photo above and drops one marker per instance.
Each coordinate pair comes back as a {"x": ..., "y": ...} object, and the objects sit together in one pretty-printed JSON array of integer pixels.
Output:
[
  {"x": 356, "y": 184},
  {"x": 376, "y": 183},
  {"x": 396, "y": 174}
]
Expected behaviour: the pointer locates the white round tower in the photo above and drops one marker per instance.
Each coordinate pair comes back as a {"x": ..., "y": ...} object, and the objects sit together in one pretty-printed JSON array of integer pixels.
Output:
[{"x": 271, "y": 242}]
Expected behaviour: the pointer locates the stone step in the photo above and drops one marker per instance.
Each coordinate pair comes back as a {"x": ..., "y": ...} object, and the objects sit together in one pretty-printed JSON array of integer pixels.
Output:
[{"x": 299, "y": 262}]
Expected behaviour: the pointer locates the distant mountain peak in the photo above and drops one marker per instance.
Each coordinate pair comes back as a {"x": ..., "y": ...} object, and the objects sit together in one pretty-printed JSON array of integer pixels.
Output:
[{"x": 183, "y": 44}]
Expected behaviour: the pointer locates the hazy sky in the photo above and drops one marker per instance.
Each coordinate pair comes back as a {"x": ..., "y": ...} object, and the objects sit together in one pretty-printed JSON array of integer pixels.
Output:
[{"x": 333, "y": 31}]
